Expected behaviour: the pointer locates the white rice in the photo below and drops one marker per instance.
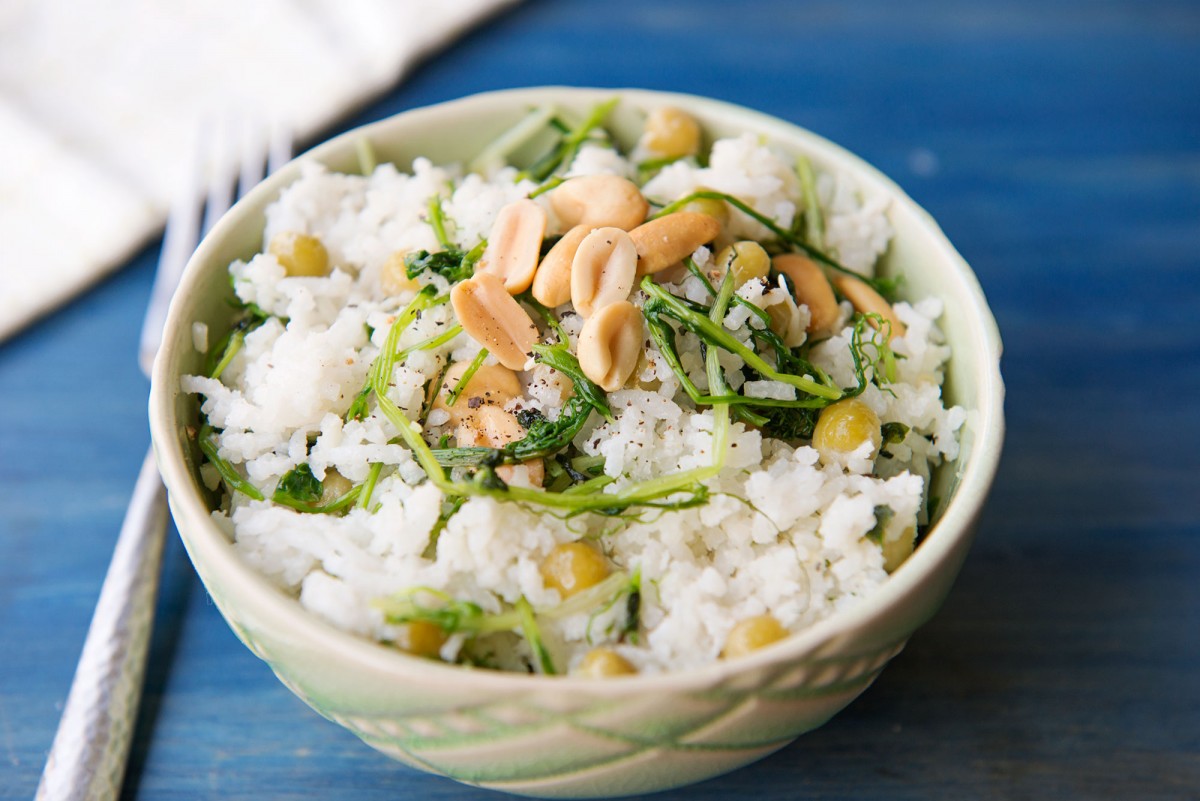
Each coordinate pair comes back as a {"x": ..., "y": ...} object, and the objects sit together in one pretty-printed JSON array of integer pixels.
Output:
[{"x": 780, "y": 534}]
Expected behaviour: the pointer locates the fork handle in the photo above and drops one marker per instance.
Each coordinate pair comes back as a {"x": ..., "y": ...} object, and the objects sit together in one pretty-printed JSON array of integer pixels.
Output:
[{"x": 87, "y": 760}]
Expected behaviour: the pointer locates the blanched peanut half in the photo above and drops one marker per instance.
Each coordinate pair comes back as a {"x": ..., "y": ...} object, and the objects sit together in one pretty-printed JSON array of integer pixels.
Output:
[
  {"x": 552, "y": 283},
  {"x": 599, "y": 201},
  {"x": 868, "y": 301},
  {"x": 491, "y": 385},
  {"x": 664, "y": 242},
  {"x": 494, "y": 319},
  {"x": 810, "y": 287},
  {"x": 514, "y": 245},
  {"x": 603, "y": 269},
  {"x": 493, "y": 427},
  {"x": 610, "y": 345}
]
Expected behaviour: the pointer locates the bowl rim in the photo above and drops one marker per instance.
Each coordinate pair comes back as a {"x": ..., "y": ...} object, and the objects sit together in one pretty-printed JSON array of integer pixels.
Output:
[{"x": 955, "y": 523}]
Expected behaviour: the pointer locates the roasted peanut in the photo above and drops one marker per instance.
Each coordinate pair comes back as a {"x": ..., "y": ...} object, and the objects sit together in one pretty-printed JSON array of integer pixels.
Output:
[
  {"x": 494, "y": 319},
  {"x": 514, "y": 245},
  {"x": 751, "y": 634},
  {"x": 493, "y": 427},
  {"x": 868, "y": 301},
  {"x": 552, "y": 282},
  {"x": 603, "y": 663},
  {"x": 599, "y": 201},
  {"x": 603, "y": 269},
  {"x": 531, "y": 473},
  {"x": 573, "y": 567},
  {"x": 665, "y": 241},
  {"x": 811, "y": 288},
  {"x": 393, "y": 276},
  {"x": 746, "y": 259},
  {"x": 491, "y": 385},
  {"x": 671, "y": 132},
  {"x": 489, "y": 427},
  {"x": 300, "y": 254},
  {"x": 610, "y": 345}
]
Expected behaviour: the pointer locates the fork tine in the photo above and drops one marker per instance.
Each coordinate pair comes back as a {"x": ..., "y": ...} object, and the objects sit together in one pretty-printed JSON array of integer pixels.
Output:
[
  {"x": 227, "y": 151},
  {"x": 252, "y": 159},
  {"x": 179, "y": 240},
  {"x": 223, "y": 154},
  {"x": 279, "y": 150}
]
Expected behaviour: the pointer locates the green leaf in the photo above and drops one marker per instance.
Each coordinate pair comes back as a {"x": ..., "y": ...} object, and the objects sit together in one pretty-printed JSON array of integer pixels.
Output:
[
  {"x": 790, "y": 423},
  {"x": 892, "y": 433},
  {"x": 299, "y": 484},
  {"x": 562, "y": 360},
  {"x": 450, "y": 615},
  {"x": 450, "y": 264},
  {"x": 883, "y": 516}
]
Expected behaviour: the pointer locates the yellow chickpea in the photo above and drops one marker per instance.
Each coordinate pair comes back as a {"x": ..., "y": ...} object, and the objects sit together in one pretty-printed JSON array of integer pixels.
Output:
[
  {"x": 300, "y": 254},
  {"x": 672, "y": 133},
  {"x": 751, "y": 634},
  {"x": 603, "y": 663},
  {"x": 843, "y": 427},
  {"x": 717, "y": 209},
  {"x": 746, "y": 259},
  {"x": 393, "y": 276},
  {"x": 334, "y": 486},
  {"x": 421, "y": 638},
  {"x": 573, "y": 567}
]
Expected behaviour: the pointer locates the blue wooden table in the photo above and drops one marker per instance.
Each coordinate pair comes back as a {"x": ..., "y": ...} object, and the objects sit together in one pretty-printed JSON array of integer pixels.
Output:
[{"x": 1059, "y": 146}]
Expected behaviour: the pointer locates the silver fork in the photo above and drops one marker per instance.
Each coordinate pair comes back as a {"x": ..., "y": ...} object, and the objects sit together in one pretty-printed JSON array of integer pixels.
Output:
[{"x": 91, "y": 746}]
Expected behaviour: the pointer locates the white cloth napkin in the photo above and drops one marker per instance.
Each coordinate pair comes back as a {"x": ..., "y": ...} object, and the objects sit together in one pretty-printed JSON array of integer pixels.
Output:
[{"x": 99, "y": 102}]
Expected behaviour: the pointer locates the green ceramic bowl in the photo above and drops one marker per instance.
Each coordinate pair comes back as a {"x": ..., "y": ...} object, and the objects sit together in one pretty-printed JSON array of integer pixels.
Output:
[{"x": 564, "y": 736}]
